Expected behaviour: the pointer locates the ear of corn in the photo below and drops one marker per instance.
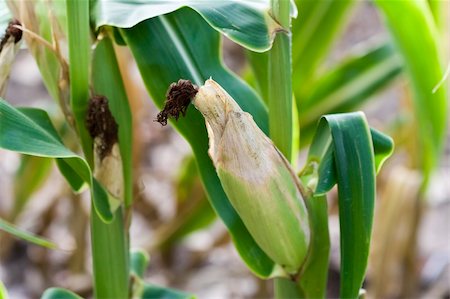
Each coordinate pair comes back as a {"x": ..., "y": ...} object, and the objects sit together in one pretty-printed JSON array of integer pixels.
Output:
[{"x": 256, "y": 178}]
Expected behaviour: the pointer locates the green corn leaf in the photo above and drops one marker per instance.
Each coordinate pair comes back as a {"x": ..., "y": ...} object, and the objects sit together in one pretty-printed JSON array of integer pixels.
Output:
[
  {"x": 30, "y": 131},
  {"x": 27, "y": 236},
  {"x": 313, "y": 33},
  {"x": 246, "y": 22},
  {"x": 415, "y": 33},
  {"x": 180, "y": 45},
  {"x": 156, "y": 292},
  {"x": 139, "y": 260},
  {"x": 350, "y": 83},
  {"x": 59, "y": 293},
  {"x": 31, "y": 175},
  {"x": 108, "y": 82},
  {"x": 344, "y": 149}
]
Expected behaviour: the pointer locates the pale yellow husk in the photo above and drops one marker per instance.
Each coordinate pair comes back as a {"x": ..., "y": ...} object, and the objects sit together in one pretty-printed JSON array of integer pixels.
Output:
[{"x": 256, "y": 177}]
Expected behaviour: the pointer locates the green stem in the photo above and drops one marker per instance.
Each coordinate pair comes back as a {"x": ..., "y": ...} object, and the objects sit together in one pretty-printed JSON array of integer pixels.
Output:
[
  {"x": 79, "y": 49},
  {"x": 110, "y": 257},
  {"x": 280, "y": 87},
  {"x": 280, "y": 108}
]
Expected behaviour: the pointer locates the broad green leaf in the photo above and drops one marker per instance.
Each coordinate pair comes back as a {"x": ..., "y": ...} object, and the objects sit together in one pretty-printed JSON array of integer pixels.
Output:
[
  {"x": 31, "y": 175},
  {"x": 79, "y": 59},
  {"x": 351, "y": 83},
  {"x": 30, "y": 131},
  {"x": 246, "y": 22},
  {"x": 139, "y": 260},
  {"x": 313, "y": 33},
  {"x": 27, "y": 236},
  {"x": 344, "y": 144},
  {"x": 415, "y": 33},
  {"x": 59, "y": 293},
  {"x": 180, "y": 45},
  {"x": 107, "y": 81},
  {"x": 156, "y": 292}
]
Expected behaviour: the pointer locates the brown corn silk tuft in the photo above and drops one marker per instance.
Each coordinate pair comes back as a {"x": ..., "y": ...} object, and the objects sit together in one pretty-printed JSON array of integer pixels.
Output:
[
  {"x": 101, "y": 124},
  {"x": 178, "y": 98},
  {"x": 11, "y": 31}
]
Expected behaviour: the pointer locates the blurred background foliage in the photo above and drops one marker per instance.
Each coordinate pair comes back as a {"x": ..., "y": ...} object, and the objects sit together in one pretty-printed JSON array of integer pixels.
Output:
[{"x": 384, "y": 59}]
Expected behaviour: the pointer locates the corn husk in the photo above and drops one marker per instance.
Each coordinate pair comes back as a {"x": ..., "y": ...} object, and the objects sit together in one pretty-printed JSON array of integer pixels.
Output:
[{"x": 256, "y": 177}]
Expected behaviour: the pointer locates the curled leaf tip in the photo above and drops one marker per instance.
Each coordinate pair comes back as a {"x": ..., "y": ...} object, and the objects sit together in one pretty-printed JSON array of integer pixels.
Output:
[
  {"x": 11, "y": 31},
  {"x": 101, "y": 124},
  {"x": 178, "y": 98}
]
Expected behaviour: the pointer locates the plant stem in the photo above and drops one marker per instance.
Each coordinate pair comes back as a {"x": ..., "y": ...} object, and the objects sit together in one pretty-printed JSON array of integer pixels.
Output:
[
  {"x": 79, "y": 49},
  {"x": 280, "y": 87},
  {"x": 110, "y": 257},
  {"x": 280, "y": 106}
]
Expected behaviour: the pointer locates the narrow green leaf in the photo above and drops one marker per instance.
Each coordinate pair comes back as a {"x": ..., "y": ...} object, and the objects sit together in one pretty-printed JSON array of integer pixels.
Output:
[
  {"x": 59, "y": 293},
  {"x": 31, "y": 175},
  {"x": 76, "y": 182},
  {"x": 351, "y": 83},
  {"x": 107, "y": 81},
  {"x": 351, "y": 150},
  {"x": 179, "y": 45},
  {"x": 139, "y": 260},
  {"x": 313, "y": 32},
  {"x": 27, "y": 236},
  {"x": 30, "y": 131},
  {"x": 246, "y": 22},
  {"x": 110, "y": 257},
  {"x": 157, "y": 292},
  {"x": 79, "y": 49},
  {"x": 415, "y": 33},
  {"x": 321, "y": 152}
]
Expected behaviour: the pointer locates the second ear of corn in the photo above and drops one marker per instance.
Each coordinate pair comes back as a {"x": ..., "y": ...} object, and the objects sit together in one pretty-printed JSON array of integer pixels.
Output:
[{"x": 256, "y": 177}]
